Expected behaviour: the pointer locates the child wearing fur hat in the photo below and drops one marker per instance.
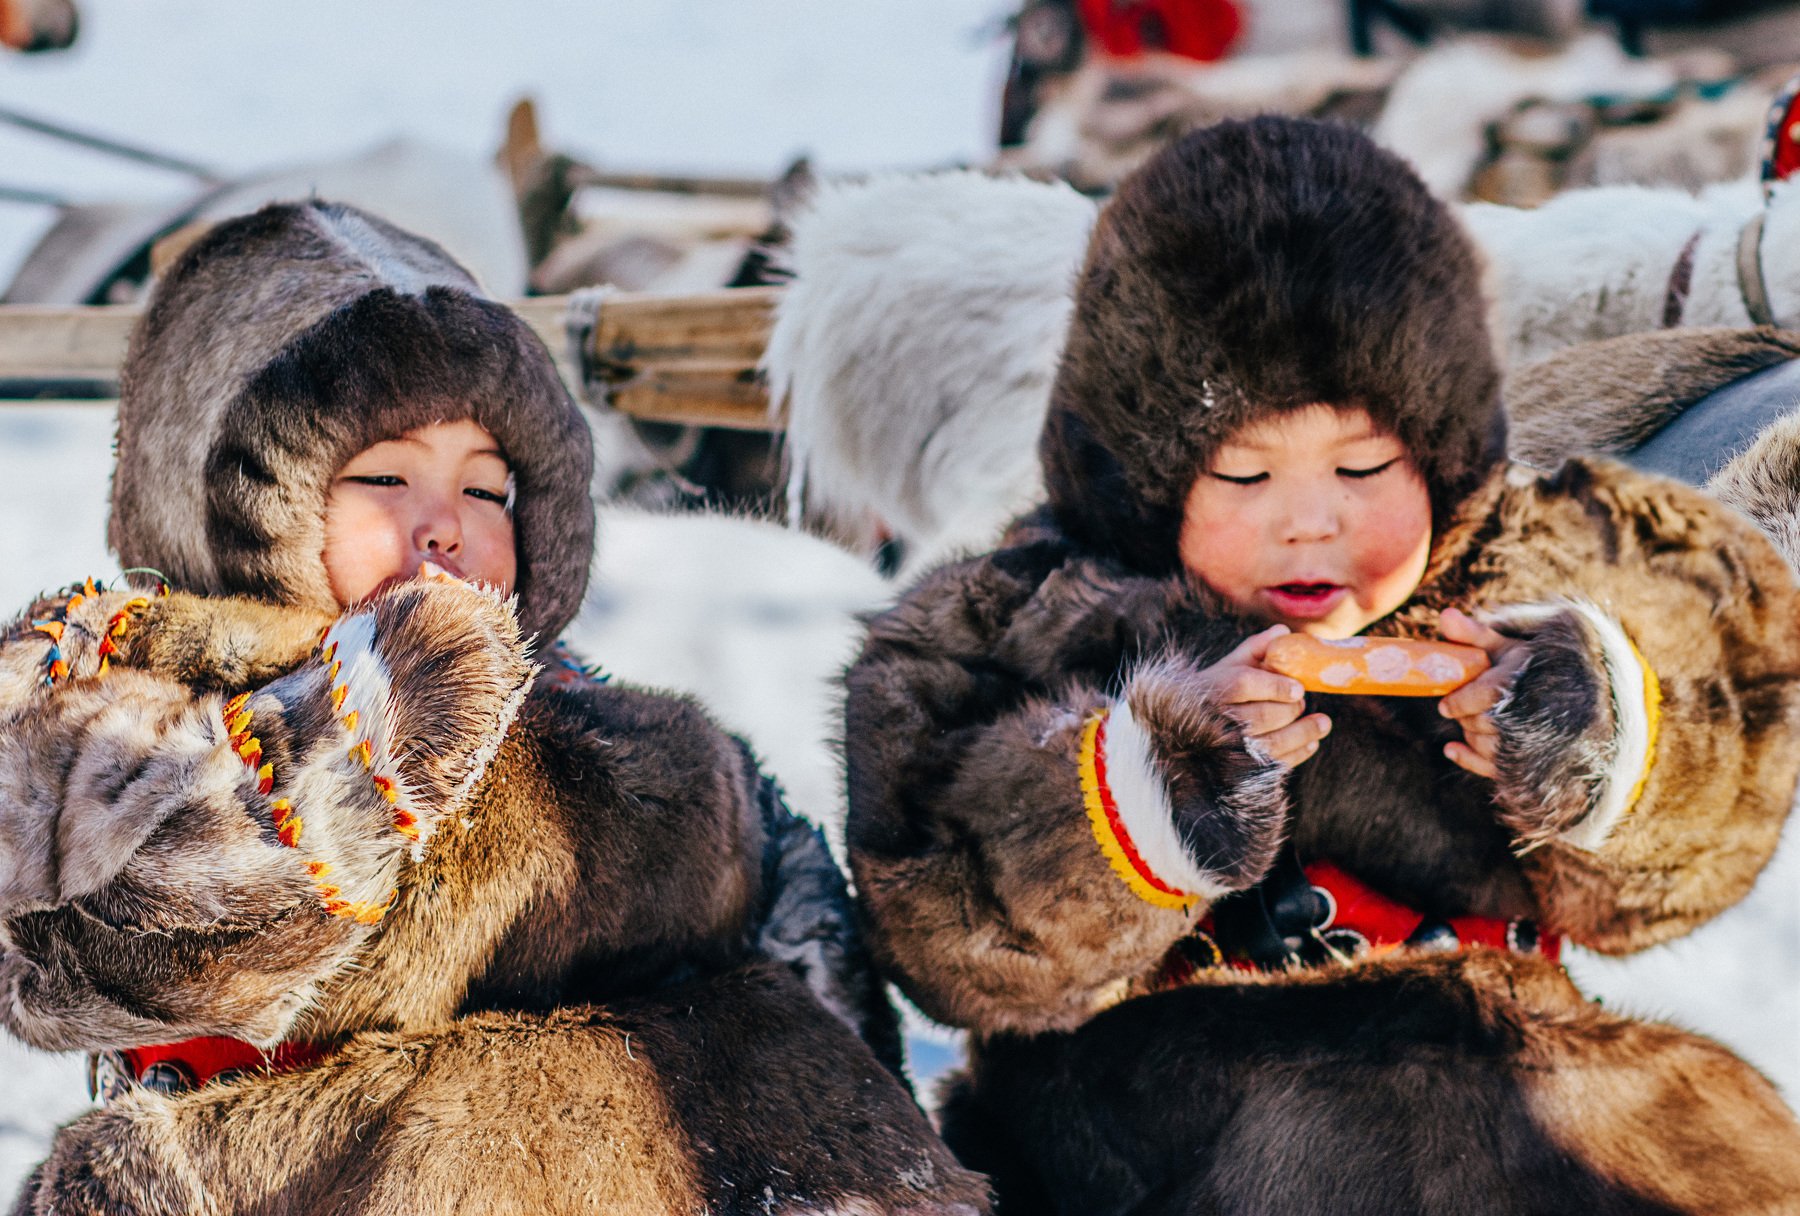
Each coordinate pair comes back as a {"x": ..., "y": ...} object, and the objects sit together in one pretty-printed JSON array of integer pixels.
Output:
[
  {"x": 363, "y": 910},
  {"x": 1225, "y": 947}
]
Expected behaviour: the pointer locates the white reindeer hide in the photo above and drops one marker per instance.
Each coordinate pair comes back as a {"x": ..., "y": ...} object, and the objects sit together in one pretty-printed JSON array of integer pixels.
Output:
[
  {"x": 915, "y": 349},
  {"x": 1437, "y": 113},
  {"x": 1597, "y": 263}
]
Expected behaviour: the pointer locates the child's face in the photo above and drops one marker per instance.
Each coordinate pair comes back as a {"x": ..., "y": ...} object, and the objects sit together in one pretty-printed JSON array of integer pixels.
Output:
[
  {"x": 1313, "y": 519},
  {"x": 437, "y": 494}
]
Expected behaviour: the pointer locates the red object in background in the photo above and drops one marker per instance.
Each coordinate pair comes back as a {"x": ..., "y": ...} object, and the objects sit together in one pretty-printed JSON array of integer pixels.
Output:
[
  {"x": 1194, "y": 29},
  {"x": 1781, "y": 137}
]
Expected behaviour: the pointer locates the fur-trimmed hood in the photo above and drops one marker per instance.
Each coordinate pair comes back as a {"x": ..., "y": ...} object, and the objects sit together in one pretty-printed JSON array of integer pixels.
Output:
[
  {"x": 1251, "y": 268},
  {"x": 285, "y": 342}
]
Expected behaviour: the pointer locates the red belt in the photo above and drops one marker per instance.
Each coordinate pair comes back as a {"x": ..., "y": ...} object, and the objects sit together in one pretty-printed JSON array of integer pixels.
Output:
[{"x": 1387, "y": 923}]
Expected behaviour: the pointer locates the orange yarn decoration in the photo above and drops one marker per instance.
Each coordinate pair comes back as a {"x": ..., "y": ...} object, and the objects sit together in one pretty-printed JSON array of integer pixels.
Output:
[{"x": 289, "y": 827}]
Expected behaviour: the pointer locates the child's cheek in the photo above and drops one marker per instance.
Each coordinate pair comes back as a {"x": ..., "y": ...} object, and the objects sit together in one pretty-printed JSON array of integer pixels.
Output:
[
  {"x": 362, "y": 548},
  {"x": 1224, "y": 550},
  {"x": 493, "y": 554},
  {"x": 1393, "y": 544}
]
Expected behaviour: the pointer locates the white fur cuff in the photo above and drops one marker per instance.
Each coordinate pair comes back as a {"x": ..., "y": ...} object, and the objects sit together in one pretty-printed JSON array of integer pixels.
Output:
[
  {"x": 1141, "y": 797},
  {"x": 1636, "y": 696}
]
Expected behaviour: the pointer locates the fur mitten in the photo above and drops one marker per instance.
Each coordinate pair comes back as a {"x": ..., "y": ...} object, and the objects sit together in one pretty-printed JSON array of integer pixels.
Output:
[
  {"x": 1227, "y": 801},
  {"x": 1574, "y": 726},
  {"x": 146, "y": 828}
]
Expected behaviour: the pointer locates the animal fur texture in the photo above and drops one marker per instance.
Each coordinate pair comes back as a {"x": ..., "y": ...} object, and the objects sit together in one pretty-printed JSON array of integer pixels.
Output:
[
  {"x": 1311, "y": 1090},
  {"x": 1645, "y": 763},
  {"x": 1598, "y": 263},
  {"x": 1441, "y": 109},
  {"x": 564, "y": 946},
  {"x": 657, "y": 1103},
  {"x": 916, "y": 344},
  {"x": 1438, "y": 111},
  {"x": 1610, "y": 396}
]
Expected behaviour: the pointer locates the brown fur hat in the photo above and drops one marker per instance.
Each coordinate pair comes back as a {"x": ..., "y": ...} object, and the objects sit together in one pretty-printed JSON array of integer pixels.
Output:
[
  {"x": 1250, "y": 268},
  {"x": 285, "y": 342}
]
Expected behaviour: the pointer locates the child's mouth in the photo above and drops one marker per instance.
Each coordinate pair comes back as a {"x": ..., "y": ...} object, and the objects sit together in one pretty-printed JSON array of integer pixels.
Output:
[{"x": 1306, "y": 601}]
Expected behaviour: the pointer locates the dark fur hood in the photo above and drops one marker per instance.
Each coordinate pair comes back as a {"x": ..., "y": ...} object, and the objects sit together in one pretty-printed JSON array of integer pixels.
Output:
[
  {"x": 285, "y": 342},
  {"x": 1254, "y": 267}
]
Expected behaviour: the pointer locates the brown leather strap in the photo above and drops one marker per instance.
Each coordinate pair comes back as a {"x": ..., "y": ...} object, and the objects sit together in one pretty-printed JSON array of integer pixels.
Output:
[
  {"x": 1749, "y": 272},
  {"x": 1680, "y": 280}
]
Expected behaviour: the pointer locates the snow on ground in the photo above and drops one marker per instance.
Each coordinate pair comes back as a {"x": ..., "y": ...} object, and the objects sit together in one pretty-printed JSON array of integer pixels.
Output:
[{"x": 756, "y": 619}]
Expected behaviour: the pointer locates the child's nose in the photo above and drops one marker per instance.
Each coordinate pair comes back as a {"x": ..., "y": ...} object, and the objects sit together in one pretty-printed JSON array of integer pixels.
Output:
[
  {"x": 1310, "y": 519},
  {"x": 438, "y": 529}
]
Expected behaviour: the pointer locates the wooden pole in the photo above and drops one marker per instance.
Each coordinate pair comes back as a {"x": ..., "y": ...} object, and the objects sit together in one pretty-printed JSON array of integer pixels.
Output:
[
  {"x": 38, "y": 342},
  {"x": 685, "y": 359}
]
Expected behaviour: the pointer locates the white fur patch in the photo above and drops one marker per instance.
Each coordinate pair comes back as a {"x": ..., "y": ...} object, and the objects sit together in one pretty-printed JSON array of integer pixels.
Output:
[
  {"x": 1143, "y": 801},
  {"x": 479, "y": 761},
  {"x": 392, "y": 262},
  {"x": 369, "y": 695},
  {"x": 1629, "y": 682},
  {"x": 1597, "y": 263},
  {"x": 915, "y": 349},
  {"x": 1438, "y": 111}
]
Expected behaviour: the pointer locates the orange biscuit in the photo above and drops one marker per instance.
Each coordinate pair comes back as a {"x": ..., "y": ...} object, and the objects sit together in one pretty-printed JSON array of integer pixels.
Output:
[{"x": 1375, "y": 667}]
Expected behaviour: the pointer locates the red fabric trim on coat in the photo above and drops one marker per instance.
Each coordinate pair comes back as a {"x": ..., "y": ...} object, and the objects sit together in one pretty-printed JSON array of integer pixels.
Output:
[
  {"x": 203, "y": 1059},
  {"x": 1388, "y": 922}
]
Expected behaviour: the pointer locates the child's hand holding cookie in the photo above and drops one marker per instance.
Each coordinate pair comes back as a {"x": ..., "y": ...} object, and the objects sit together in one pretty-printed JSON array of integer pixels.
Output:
[
  {"x": 1472, "y": 705},
  {"x": 1267, "y": 705}
]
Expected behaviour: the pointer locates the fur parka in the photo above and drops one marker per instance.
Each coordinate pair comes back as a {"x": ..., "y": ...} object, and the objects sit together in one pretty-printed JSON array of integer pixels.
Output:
[
  {"x": 560, "y": 943},
  {"x": 1646, "y": 761}
]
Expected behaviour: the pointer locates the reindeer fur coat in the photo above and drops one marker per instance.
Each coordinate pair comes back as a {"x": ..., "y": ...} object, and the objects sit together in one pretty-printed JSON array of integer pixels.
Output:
[
  {"x": 559, "y": 943},
  {"x": 1251, "y": 268}
]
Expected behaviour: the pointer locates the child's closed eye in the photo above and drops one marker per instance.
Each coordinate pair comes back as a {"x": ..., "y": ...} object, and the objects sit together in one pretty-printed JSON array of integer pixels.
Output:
[
  {"x": 498, "y": 497},
  {"x": 1249, "y": 480},
  {"x": 1359, "y": 474},
  {"x": 375, "y": 479}
]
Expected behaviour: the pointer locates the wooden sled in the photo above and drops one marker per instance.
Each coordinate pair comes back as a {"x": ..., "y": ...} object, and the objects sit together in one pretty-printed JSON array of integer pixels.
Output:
[{"x": 689, "y": 359}]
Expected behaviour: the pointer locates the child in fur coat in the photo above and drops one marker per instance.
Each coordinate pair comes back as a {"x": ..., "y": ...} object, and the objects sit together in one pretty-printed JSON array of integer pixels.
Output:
[
  {"x": 364, "y": 910},
  {"x": 1226, "y": 947}
]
